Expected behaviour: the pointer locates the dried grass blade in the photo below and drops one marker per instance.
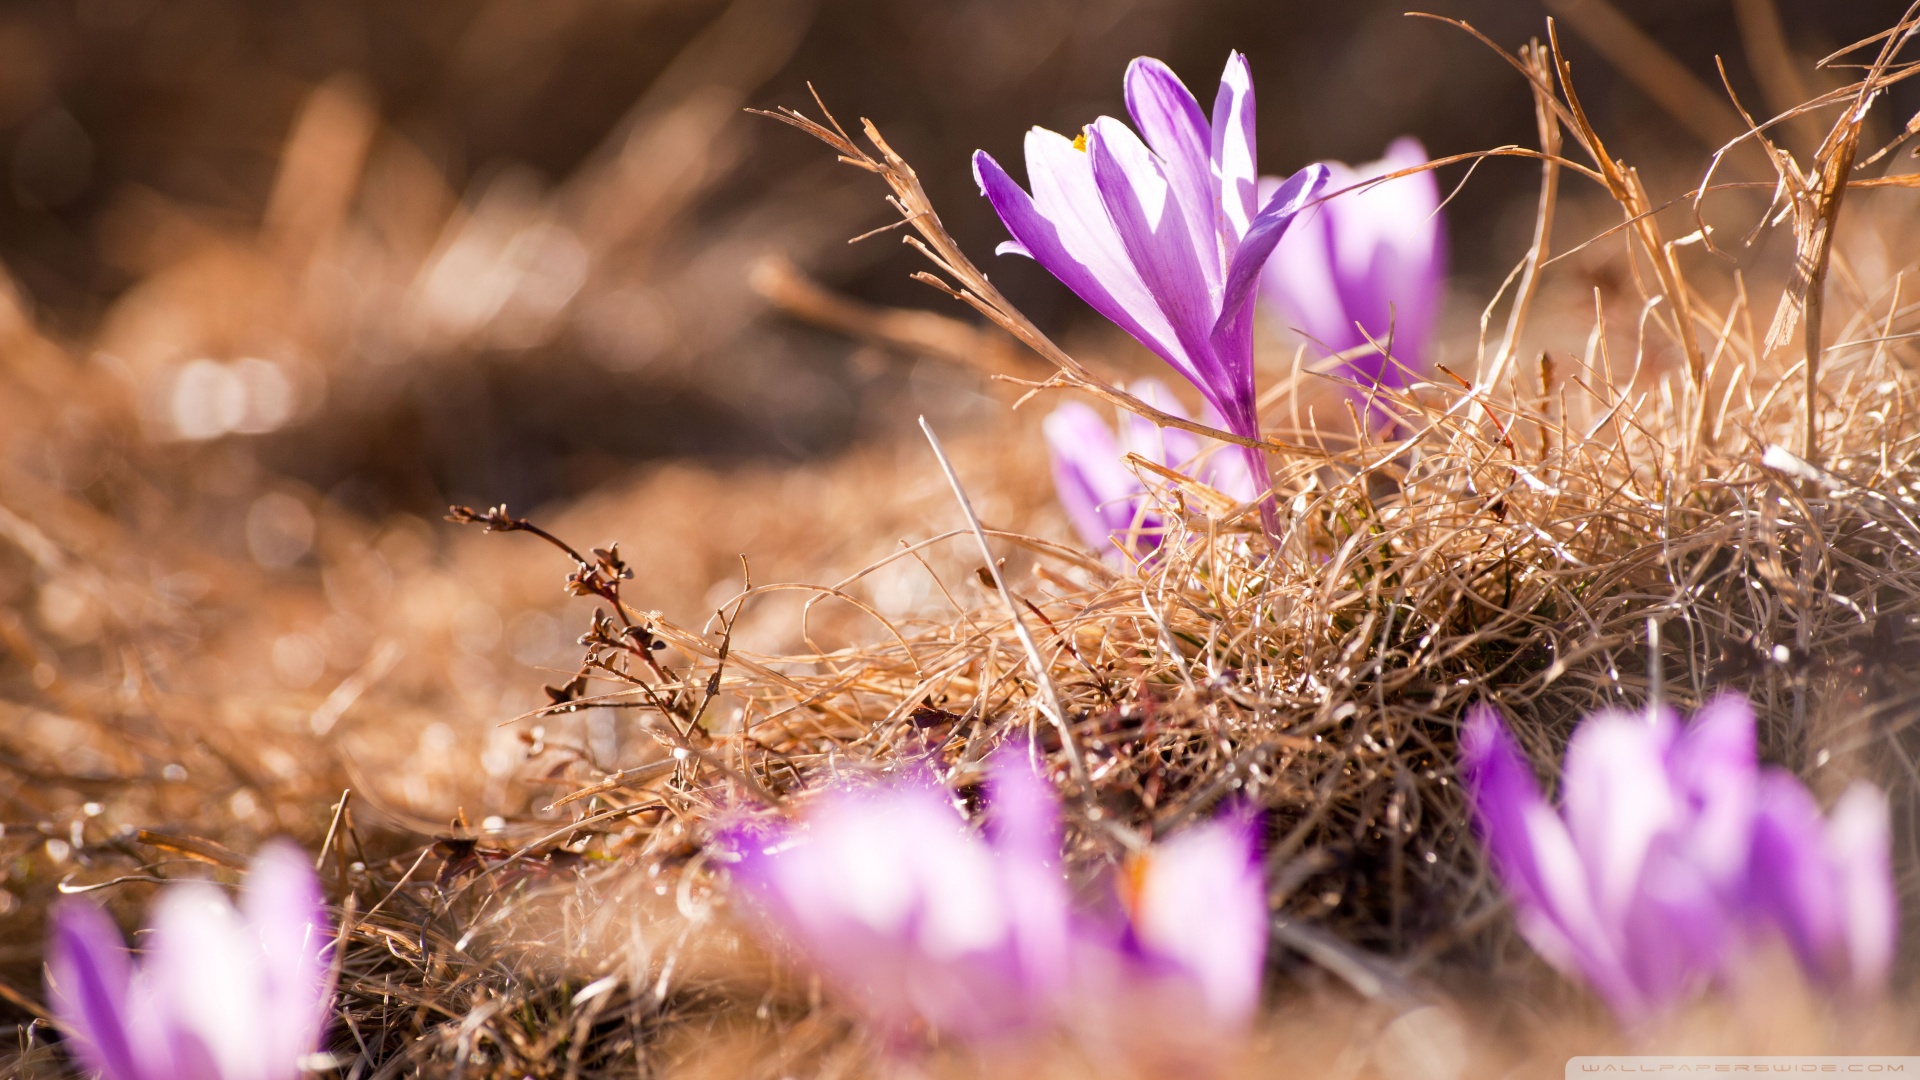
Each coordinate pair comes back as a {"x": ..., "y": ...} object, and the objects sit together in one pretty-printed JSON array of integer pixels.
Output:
[{"x": 1049, "y": 694}]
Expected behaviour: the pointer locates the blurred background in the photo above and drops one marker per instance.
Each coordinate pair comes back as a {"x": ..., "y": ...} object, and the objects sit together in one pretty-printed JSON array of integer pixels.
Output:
[{"x": 493, "y": 250}]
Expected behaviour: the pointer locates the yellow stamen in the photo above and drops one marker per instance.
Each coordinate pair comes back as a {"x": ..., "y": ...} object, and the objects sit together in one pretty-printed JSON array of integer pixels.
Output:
[
  {"x": 1080, "y": 141},
  {"x": 1133, "y": 883}
]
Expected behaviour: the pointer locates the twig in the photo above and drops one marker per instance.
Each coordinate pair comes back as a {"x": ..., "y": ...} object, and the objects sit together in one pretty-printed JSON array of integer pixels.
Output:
[{"x": 1549, "y": 130}]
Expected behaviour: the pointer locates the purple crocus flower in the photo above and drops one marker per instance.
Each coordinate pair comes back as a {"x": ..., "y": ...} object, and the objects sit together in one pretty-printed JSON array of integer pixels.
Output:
[
  {"x": 1102, "y": 497},
  {"x": 914, "y": 917},
  {"x": 1635, "y": 886},
  {"x": 1197, "y": 909},
  {"x": 1365, "y": 264},
  {"x": 1166, "y": 236},
  {"x": 1672, "y": 852},
  {"x": 1105, "y": 499},
  {"x": 221, "y": 994},
  {"x": 1827, "y": 886},
  {"x": 917, "y": 919}
]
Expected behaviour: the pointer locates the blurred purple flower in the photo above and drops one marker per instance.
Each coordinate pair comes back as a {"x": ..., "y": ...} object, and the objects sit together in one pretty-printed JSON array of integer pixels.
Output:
[
  {"x": 1827, "y": 885},
  {"x": 1673, "y": 851},
  {"x": 912, "y": 915},
  {"x": 1635, "y": 886},
  {"x": 1105, "y": 499},
  {"x": 1165, "y": 237},
  {"x": 221, "y": 994},
  {"x": 917, "y": 919},
  {"x": 1366, "y": 264},
  {"x": 1197, "y": 907}
]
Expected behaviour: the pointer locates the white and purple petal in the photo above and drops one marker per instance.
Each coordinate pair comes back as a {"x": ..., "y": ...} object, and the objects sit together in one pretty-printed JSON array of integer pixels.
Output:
[
  {"x": 1235, "y": 157},
  {"x": 891, "y": 896},
  {"x": 1140, "y": 201},
  {"x": 207, "y": 968},
  {"x": 1200, "y": 905},
  {"x": 1102, "y": 497},
  {"x": 1173, "y": 127},
  {"x": 90, "y": 989},
  {"x": 1713, "y": 766},
  {"x": 1023, "y": 827},
  {"x": 282, "y": 904},
  {"x": 1618, "y": 800},
  {"x": 1063, "y": 226},
  {"x": 1171, "y": 447},
  {"x": 1791, "y": 887},
  {"x": 1389, "y": 247},
  {"x": 1367, "y": 265},
  {"x": 1298, "y": 280},
  {"x": 1859, "y": 840},
  {"x": 1827, "y": 885},
  {"x": 1536, "y": 860},
  {"x": 1674, "y": 935},
  {"x": 1263, "y": 235},
  {"x": 219, "y": 995}
]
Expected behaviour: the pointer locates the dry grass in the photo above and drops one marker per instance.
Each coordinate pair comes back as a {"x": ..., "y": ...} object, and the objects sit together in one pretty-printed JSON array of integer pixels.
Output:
[{"x": 1709, "y": 495}]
